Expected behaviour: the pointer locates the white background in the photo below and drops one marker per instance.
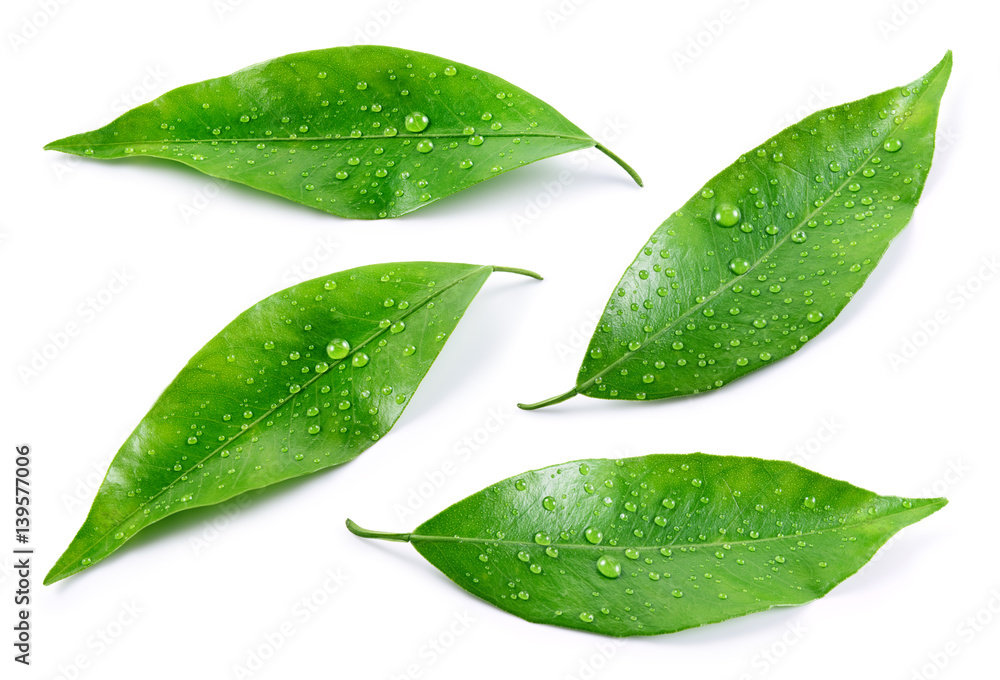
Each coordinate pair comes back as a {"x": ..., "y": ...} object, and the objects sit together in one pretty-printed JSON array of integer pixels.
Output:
[{"x": 197, "y": 252}]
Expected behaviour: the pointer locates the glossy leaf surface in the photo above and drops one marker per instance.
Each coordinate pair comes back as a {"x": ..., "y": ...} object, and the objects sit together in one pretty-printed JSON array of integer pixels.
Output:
[
  {"x": 659, "y": 543},
  {"x": 305, "y": 379},
  {"x": 768, "y": 253},
  {"x": 364, "y": 132}
]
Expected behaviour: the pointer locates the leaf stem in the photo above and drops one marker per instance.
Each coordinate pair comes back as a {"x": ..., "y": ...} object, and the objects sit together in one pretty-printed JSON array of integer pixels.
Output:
[
  {"x": 515, "y": 270},
  {"x": 550, "y": 401},
  {"x": 628, "y": 168},
  {"x": 381, "y": 535}
]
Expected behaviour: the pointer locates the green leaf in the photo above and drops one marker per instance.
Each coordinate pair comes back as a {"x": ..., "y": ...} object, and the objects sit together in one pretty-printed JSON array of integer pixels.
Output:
[
  {"x": 364, "y": 132},
  {"x": 305, "y": 379},
  {"x": 768, "y": 253},
  {"x": 659, "y": 543}
]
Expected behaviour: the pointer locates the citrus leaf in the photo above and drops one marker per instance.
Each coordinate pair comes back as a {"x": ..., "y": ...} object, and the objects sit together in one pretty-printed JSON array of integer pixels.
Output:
[
  {"x": 768, "y": 253},
  {"x": 364, "y": 132},
  {"x": 305, "y": 379},
  {"x": 659, "y": 543}
]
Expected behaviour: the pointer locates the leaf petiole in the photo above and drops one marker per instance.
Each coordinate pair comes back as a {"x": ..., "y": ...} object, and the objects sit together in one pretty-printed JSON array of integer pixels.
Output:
[
  {"x": 522, "y": 272},
  {"x": 625, "y": 166},
  {"x": 550, "y": 401},
  {"x": 353, "y": 527}
]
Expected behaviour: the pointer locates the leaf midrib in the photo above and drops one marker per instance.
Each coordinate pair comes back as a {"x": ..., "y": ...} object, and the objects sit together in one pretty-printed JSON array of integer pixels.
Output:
[
  {"x": 437, "y": 293},
  {"x": 936, "y": 502},
  {"x": 723, "y": 286},
  {"x": 438, "y": 135}
]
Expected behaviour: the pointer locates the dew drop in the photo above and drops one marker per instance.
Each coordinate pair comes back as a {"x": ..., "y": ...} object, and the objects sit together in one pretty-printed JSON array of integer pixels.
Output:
[
  {"x": 609, "y": 567},
  {"x": 338, "y": 348},
  {"x": 416, "y": 122},
  {"x": 739, "y": 266},
  {"x": 726, "y": 215}
]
